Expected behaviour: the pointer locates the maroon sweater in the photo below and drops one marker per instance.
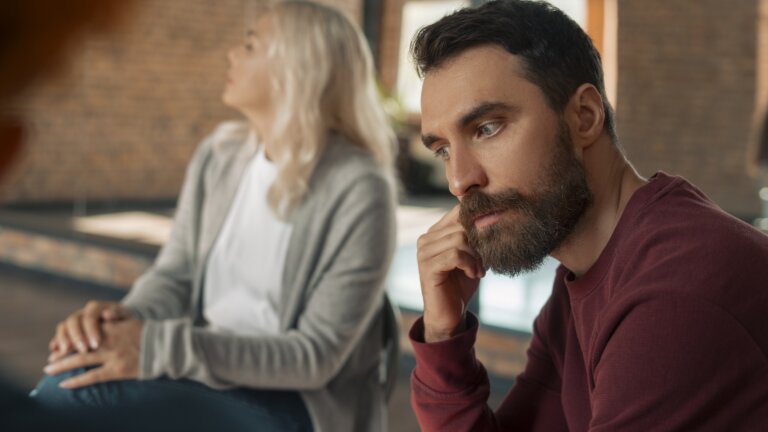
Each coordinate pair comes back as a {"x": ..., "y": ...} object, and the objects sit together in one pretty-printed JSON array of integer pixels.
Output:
[{"x": 668, "y": 331}]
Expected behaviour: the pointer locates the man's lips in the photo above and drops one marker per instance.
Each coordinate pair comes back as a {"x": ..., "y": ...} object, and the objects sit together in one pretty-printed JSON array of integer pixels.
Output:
[{"x": 487, "y": 219}]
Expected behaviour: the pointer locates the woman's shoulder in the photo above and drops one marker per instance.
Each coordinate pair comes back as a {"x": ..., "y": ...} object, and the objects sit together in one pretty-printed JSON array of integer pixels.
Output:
[
  {"x": 229, "y": 134},
  {"x": 224, "y": 141},
  {"x": 348, "y": 167}
]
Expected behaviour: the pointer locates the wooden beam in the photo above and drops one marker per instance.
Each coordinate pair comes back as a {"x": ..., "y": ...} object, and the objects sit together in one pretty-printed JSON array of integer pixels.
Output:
[{"x": 596, "y": 22}]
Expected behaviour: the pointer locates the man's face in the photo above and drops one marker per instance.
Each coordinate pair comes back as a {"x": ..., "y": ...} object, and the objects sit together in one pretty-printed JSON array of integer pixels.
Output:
[{"x": 508, "y": 158}]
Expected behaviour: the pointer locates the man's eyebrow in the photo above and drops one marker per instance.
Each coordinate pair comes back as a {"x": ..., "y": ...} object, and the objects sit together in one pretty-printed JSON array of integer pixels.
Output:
[
  {"x": 475, "y": 113},
  {"x": 481, "y": 110},
  {"x": 428, "y": 140}
]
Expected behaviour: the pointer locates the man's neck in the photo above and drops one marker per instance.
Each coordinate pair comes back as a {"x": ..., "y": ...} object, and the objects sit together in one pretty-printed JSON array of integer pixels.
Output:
[{"x": 613, "y": 181}]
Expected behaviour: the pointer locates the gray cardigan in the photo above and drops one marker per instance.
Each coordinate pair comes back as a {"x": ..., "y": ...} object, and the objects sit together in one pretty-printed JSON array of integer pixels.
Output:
[{"x": 329, "y": 346}]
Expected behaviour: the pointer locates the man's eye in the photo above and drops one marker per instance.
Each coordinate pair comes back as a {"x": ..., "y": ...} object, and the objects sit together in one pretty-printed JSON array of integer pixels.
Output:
[
  {"x": 442, "y": 153},
  {"x": 248, "y": 46},
  {"x": 488, "y": 129}
]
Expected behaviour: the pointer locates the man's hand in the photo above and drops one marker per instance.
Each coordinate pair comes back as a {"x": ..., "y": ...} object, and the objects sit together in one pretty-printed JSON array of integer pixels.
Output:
[
  {"x": 118, "y": 356},
  {"x": 450, "y": 272},
  {"x": 82, "y": 329}
]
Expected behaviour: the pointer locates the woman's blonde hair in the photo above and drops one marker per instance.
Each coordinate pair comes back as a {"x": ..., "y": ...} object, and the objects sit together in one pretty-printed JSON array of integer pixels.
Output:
[{"x": 323, "y": 80}]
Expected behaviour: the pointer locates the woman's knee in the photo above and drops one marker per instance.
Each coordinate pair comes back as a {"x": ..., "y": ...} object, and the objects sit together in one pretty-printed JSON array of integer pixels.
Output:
[{"x": 49, "y": 394}]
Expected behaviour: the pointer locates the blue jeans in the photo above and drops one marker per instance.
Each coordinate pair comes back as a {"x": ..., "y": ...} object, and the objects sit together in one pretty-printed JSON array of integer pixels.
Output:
[{"x": 165, "y": 404}]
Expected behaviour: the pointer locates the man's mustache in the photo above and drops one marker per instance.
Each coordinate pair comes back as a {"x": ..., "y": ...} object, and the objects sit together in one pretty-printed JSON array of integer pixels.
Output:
[{"x": 477, "y": 203}]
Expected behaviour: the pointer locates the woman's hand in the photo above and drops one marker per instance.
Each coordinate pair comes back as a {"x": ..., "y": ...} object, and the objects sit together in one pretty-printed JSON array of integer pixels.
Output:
[
  {"x": 117, "y": 356},
  {"x": 82, "y": 329},
  {"x": 450, "y": 272}
]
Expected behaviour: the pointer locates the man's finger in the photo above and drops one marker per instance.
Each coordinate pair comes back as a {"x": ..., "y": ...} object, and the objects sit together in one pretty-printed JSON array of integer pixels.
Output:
[
  {"x": 454, "y": 259},
  {"x": 74, "y": 362},
  {"x": 449, "y": 218},
  {"x": 436, "y": 246},
  {"x": 93, "y": 376},
  {"x": 435, "y": 233},
  {"x": 430, "y": 237}
]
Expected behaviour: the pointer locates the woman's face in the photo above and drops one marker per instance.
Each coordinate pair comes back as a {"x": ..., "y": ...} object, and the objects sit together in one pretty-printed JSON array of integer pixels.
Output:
[{"x": 248, "y": 87}]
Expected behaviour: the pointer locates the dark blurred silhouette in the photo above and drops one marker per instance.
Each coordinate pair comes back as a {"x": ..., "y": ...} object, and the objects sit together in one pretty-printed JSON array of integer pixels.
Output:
[{"x": 35, "y": 38}]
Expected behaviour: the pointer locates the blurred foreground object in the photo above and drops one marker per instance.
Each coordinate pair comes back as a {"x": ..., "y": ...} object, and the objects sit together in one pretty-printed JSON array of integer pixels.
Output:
[
  {"x": 11, "y": 135},
  {"x": 35, "y": 38}
]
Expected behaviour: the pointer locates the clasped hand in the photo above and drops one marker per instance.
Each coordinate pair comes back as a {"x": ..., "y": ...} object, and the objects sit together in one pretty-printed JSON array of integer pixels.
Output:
[{"x": 113, "y": 345}]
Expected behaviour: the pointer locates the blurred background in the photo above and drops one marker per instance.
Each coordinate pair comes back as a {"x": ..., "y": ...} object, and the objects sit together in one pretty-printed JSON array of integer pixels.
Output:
[{"x": 85, "y": 210}]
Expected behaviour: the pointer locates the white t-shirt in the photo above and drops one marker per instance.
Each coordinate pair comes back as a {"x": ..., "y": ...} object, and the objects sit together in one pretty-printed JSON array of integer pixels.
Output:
[{"x": 243, "y": 277}]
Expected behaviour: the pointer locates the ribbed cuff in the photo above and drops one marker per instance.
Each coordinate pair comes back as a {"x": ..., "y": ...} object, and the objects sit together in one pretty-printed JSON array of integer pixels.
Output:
[
  {"x": 150, "y": 364},
  {"x": 447, "y": 366}
]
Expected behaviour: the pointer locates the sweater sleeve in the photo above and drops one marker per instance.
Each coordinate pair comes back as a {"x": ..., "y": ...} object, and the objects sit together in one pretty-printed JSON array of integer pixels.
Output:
[
  {"x": 343, "y": 302},
  {"x": 450, "y": 387},
  {"x": 669, "y": 363}
]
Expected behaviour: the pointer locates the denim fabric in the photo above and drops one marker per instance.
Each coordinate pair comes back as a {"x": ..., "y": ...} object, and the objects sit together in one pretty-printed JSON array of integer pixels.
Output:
[{"x": 179, "y": 404}]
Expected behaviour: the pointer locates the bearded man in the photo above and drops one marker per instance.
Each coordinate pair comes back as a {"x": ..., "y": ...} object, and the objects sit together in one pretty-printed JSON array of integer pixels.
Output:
[{"x": 657, "y": 318}]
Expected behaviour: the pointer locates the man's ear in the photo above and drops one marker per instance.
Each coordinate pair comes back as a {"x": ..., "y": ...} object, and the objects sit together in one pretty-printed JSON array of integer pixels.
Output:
[{"x": 585, "y": 115}]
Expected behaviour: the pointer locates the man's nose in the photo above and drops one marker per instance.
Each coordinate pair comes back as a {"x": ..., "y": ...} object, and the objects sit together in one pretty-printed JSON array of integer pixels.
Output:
[{"x": 464, "y": 172}]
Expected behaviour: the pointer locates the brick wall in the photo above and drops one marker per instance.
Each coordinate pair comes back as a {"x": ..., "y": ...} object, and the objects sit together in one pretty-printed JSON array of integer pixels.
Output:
[
  {"x": 122, "y": 122},
  {"x": 687, "y": 90}
]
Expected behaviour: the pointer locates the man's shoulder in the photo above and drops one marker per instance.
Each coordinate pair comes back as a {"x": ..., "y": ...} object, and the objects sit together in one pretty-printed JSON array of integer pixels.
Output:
[
  {"x": 683, "y": 245},
  {"x": 680, "y": 227}
]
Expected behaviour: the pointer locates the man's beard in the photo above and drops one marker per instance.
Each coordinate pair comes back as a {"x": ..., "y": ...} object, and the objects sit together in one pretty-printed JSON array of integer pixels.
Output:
[{"x": 544, "y": 219}]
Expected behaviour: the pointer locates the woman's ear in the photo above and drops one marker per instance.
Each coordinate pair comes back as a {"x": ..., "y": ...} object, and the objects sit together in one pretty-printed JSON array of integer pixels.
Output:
[{"x": 585, "y": 115}]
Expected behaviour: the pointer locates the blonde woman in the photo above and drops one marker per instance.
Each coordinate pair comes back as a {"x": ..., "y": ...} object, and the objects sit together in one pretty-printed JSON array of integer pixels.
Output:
[{"x": 270, "y": 289}]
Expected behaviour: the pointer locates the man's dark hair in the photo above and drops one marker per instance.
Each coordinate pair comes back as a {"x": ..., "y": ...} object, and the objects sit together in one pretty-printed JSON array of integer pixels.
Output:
[{"x": 557, "y": 55}]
